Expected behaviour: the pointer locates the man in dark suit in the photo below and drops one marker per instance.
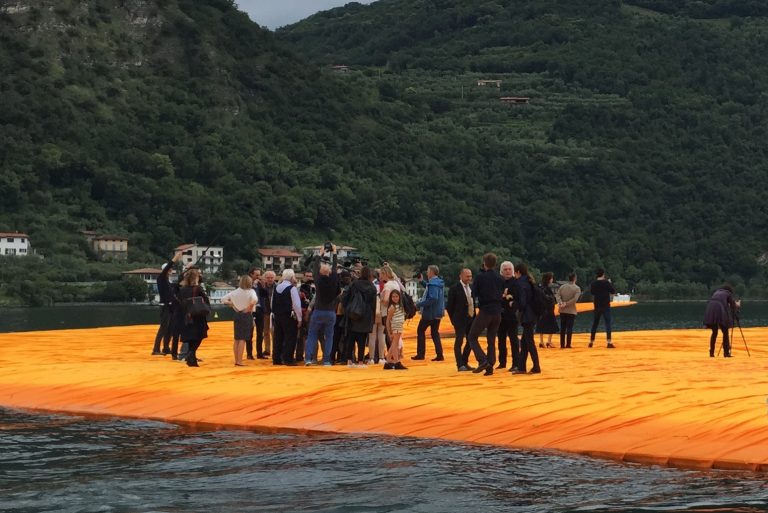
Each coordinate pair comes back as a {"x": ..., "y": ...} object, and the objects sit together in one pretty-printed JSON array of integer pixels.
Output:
[{"x": 461, "y": 311}]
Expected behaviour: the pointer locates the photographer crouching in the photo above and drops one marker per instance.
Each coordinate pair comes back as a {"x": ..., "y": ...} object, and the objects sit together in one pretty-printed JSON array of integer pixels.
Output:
[{"x": 722, "y": 310}]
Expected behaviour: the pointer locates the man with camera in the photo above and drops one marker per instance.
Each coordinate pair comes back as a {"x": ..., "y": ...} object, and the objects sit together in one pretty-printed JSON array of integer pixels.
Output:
[
  {"x": 323, "y": 318},
  {"x": 602, "y": 290}
]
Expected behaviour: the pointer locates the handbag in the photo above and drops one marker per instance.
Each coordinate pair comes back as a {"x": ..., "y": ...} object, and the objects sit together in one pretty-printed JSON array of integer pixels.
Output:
[{"x": 197, "y": 306}]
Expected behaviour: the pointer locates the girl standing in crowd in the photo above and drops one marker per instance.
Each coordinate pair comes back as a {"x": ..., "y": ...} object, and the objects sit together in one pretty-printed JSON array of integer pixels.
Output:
[
  {"x": 243, "y": 300},
  {"x": 547, "y": 324},
  {"x": 395, "y": 320},
  {"x": 195, "y": 327},
  {"x": 523, "y": 294},
  {"x": 719, "y": 314}
]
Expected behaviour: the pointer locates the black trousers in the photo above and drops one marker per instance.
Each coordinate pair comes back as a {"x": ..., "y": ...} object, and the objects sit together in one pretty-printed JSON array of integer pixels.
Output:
[
  {"x": 421, "y": 337},
  {"x": 461, "y": 329},
  {"x": 258, "y": 321},
  {"x": 165, "y": 330},
  {"x": 193, "y": 345},
  {"x": 489, "y": 323},
  {"x": 355, "y": 338},
  {"x": 508, "y": 329},
  {"x": 284, "y": 342},
  {"x": 528, "y": 347},
  {"x": 713, "y": 340},
  {"x": 566, "y": 329}
]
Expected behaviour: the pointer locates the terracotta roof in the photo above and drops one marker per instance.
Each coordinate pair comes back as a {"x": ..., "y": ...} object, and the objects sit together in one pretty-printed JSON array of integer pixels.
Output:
[
  {"x": 338, "y": 248},
  {"x": 110, "y": 237},
  {"x": 222, "y": 285},
  {"x": 272, "y": 252},
  {"x": 185, "y": 247},
  {"x": 14, "y": 234},
  {"x": 145, "y": 270}
]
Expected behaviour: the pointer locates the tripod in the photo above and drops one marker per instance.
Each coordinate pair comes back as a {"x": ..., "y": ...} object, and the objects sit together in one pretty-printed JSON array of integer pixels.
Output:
[{"x": 737, "y": 322}]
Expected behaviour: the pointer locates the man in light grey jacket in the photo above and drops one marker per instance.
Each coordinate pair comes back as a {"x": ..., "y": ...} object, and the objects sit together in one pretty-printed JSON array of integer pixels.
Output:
[{"x": 567, "y": 296}]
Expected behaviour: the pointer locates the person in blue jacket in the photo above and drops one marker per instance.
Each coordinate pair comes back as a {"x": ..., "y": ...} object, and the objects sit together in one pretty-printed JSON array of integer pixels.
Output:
[{"x": 432, "y": 307}]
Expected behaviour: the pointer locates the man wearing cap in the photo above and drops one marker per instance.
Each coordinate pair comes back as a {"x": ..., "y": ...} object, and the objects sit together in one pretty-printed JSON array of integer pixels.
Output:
[{"x": 168, "y": 304}]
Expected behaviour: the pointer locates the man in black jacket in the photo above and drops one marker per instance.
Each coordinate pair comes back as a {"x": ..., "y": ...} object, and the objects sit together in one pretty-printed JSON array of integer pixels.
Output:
[
  {"x": 488, "y": 288},
  {"x": 601, "y": 290},
  {"x": 168, "y": 304},
  {"x": 508, "y": 325},
  {"x": 461, "y": 311}
]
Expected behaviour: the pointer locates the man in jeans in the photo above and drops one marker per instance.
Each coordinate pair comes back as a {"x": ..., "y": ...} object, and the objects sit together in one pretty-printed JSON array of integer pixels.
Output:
[
  {"x": 323, "y": 316},
  {"x": 602, "y": 290},
  {"x": 432, "y": 307},
  {"x": 488, "y": 288}
]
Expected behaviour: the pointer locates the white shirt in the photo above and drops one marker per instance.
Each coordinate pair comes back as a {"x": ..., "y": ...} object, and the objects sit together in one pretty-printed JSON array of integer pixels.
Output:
[
  {"x": 241, "y": 300},
  {"x": 470, "y": 301}
]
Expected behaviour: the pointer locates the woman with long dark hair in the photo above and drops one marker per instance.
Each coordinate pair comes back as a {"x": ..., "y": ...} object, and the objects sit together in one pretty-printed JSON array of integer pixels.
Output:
[
  {"x": 547, "y": 324},
  {"x": 195, "y": 327}
]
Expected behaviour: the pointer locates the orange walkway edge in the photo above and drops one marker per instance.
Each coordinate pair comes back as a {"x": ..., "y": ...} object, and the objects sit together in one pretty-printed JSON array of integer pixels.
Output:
[{"x": 656, "y": 399}]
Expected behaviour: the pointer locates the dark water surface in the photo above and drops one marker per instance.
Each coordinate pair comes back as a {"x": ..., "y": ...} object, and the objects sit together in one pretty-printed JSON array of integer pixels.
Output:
[
  {"x": 642, "y": 316},
  {"x": 69, "y": 464}
]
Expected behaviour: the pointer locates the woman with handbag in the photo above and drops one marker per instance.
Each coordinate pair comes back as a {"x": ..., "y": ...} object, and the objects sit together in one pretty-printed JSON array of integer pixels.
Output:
[
  {"x": 196, "y": 307},
  {"x": 243, "y": 300}
]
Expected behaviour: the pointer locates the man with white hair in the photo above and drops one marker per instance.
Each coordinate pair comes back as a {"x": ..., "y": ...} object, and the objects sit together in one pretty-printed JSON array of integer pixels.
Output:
[
  {"x": 286, "y": 314},
  {"x": 323, "y": 316},
  {"x": 508, "y": 325}
]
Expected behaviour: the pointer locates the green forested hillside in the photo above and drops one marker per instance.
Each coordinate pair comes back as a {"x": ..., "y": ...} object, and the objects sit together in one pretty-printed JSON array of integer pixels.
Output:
[{"x": 642, "y": 148}]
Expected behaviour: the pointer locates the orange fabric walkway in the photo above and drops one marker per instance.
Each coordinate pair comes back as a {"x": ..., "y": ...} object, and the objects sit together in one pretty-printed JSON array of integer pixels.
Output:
[{"x": 658, "y": 398}]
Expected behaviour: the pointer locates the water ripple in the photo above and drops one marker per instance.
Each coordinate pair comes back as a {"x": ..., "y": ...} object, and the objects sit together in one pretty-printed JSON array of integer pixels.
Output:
[{"x": 52, "y": 463}]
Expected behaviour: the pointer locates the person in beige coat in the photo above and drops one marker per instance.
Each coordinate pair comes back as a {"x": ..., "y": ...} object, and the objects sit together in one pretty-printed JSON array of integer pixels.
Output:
[{"x": 567, "y": 296}]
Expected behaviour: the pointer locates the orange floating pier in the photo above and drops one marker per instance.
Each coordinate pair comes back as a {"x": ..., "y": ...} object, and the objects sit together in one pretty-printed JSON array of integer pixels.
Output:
[{"x": 656, "y": 399}]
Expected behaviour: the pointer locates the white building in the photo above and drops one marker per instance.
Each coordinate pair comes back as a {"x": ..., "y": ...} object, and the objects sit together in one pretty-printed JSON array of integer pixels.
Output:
[
  {"x": 209, "y": 260},
  {"x": 149, "y": 275},
  {"x": 343, "y": 253},
  {"x": 279, "y": 258},
  {"x": 217, "y": 290},
  {"x": 15, "y": 244},
  {"x": 412, "y": 288}
]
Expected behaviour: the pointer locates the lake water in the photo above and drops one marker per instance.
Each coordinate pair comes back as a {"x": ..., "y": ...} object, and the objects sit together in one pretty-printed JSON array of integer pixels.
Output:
[
  {"x": 642, "y": 316},
  {"x": 70, "y": 464},
  {"x": 73, "y": 464}
]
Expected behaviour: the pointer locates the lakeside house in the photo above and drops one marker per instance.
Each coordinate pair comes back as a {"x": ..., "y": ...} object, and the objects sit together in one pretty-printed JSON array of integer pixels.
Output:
[
  {"x": 340, "y": 68},
  {"x": 15, "y": 244},
  {"x": 493, "y": 83},
  {"x": 412, "y": 288},
  {"x": 217, "y": 290},
  {"x": 515, "y": 100},
  {"x": 277, "y": 258},
  {"x": 208, "y": 259},
  {"x": 343, "y": 253},
  {"x": 107, "y": 247},
  {"x": 149, "y": 275}
]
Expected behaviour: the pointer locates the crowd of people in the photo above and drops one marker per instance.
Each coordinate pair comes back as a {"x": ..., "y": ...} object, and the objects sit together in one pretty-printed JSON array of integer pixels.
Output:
[{"x": 356, "y": 315}]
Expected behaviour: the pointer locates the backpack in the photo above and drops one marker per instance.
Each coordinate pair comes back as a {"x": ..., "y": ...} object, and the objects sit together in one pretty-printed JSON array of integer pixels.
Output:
[
  {"x": 409, "y": 307},
  {"x": 539, "y": 301},
  {"x": 356, "y": 307}
]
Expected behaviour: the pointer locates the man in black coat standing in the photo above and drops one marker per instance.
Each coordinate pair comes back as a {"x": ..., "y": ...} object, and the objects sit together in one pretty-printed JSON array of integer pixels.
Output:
[
  {"x": 168, "y": 303},
  {"x": 488, "y": 288},
  {"x": 461, "y": 311}
]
